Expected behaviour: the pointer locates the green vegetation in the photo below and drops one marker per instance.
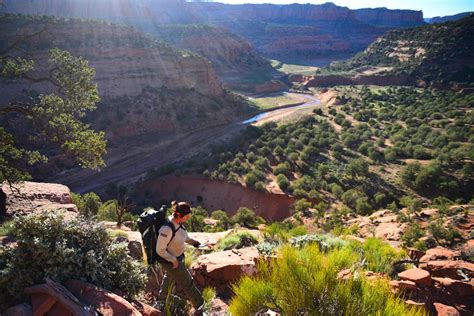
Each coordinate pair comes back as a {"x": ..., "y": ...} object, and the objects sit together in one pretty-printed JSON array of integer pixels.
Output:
[
  {"x": 236, "y": 241},
  {"x": 246, "y": 217},
  {"x": 58, "y": 116},
  {"x": 276, "y": 101},
  {"x": 6, "y": 228},
  {"x": 421, "y": 136},
  {"x": 435, "y": 52},
  {"x": 62, "y": 249},
  {"x": 117, "y": 210},
  {"x": 303, "y": 281}
]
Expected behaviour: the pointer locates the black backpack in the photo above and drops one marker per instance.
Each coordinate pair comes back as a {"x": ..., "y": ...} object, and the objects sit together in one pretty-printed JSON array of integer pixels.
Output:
[{"x": 149, "y": 224}]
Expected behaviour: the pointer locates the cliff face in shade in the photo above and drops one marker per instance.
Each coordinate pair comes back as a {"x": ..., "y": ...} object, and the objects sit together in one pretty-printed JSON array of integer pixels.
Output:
[
  {"x": 442, "y": 19},
  {"x": 146, "y": 86},
  {"x": 390, "y": 18},
  {"x": 295, "y": 31},
  {"x": 226, "y": 51}
]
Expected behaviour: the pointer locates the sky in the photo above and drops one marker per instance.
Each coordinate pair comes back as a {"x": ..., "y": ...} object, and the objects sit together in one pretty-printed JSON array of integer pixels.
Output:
[{"x": 430, "y": 8}]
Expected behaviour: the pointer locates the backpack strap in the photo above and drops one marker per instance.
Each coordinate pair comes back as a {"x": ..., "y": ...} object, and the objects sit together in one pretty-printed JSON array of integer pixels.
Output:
[{"x": 171, "y": 225}]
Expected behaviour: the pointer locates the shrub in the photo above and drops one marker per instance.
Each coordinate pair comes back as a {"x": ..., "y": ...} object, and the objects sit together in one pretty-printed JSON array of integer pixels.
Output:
[
  {"x": 259, "y": 185},
  {"x": 222, "y": 217},
  {"x": 236, "y": 241},
  {"x": 195, "y": 223},
  {"x": 208, "y": 294},
  {"x": 61, "y": 249},
  {"x": 108, "y": 212},
  {"x": 324, "y": 242},
  {"x": 304, "y": 282},
  {"x": 303, "y": 206},
  {"x": 282, "y": 231},
  {"x": 283, "y": 182},
  {"x": 245, "y": 217},
  {"x": 87, "y": 204},
  {"x": 282, "y": 168},
  {"x": 412, "y": 234},
  {"x": 6, "y": 228},
  {"x": 362, "y": 206},
  {"x": 442, "y": 235},
  {"x": 336, "y": 190},
  {"x": 379, "y": 256}
]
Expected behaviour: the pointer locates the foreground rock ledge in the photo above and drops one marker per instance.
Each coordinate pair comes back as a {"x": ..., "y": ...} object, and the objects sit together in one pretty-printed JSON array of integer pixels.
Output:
[
  {"x": 219, "y": 269},
  {"x": 30, "y": 197}
]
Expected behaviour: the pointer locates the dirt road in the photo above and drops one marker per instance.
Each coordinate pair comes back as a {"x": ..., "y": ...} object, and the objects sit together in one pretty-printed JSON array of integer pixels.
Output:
[{"x": 128, "y": 166}]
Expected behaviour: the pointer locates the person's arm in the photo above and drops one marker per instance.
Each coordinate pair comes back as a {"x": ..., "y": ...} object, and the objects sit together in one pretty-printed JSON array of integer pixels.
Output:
[
  {"x": 192, "y": 242},
  {"x": 164, "y": 236}
]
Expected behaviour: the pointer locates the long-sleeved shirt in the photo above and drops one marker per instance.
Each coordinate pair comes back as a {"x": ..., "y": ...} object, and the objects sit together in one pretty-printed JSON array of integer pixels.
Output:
[{"x": 167, "y": 249}]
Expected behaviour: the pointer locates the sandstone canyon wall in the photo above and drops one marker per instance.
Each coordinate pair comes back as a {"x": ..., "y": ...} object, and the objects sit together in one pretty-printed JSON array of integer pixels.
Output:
[{"x": 296, "y": 30}]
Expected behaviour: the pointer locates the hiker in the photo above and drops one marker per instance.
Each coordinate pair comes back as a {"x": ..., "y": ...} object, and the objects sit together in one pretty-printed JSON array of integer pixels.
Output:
[{"x": 170, "y": 247}]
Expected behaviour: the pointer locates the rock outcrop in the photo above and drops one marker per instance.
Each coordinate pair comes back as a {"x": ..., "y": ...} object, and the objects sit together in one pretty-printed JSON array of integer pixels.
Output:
[
  {"x": 219, "y": 269},
  {"x": 106, "y": 303},
  {"x": 30, "y": 197}
]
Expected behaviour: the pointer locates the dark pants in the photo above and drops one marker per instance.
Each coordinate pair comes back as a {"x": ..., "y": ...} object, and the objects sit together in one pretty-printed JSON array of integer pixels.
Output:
[{"x": 182, "y": 280}]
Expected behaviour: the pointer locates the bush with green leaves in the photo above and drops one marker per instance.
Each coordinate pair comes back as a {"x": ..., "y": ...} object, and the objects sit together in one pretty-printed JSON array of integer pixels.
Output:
[
  {"x": 304, "y": 282},
  {"x": 247, "y": 218},
  {"x": 222, "y": 217},
  {"x": 6, "y": 228},
  {"x": 50, "y": 246},
  {"x": 283, "y": 231},
  {"x": 412, "y": 234},
  {"x": 87, "y": 204},
  {"x": 444, "y": 234},
  {"x": 324, "y": 242},
  {"x": 236, "y": 241},
  {"x": 108, "y": 212}
]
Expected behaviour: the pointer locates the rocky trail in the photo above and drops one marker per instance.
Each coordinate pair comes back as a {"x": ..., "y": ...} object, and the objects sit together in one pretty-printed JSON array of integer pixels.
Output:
[{"x": 132, "y": 163}]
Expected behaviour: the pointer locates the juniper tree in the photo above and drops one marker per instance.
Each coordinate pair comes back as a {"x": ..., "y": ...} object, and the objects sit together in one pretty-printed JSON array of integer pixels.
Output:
[{"x": 54, "y": 117}]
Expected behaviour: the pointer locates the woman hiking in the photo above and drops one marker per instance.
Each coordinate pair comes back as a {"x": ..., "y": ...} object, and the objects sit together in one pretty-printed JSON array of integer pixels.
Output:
[{"x": 170, "y": 247}]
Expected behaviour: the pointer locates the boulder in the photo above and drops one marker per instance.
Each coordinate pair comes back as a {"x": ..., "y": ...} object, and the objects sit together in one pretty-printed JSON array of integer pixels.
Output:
[
  {"x": 18, "y": 310},
  {"x": 135, "y": 249},
  {"x": 440, "y": 253},
  {"x": 418, "y": 276},
  {"x": 445, "y": 310},
  {"x": 415, "y": 254},
  {"x": 389, "y": 231},
  {"x": 219, "y": 269},
  {"x": 30, "y": 197},
  {"x": 449, "y": 268},
  {"x": 460, "y": 288},
  {"x": 403, "y": 285},
  {"x": 105, "y": 302}
]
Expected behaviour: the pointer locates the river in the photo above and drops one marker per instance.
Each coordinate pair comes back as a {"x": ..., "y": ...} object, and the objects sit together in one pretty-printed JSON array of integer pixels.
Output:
[{"x": 285, "y": 109}]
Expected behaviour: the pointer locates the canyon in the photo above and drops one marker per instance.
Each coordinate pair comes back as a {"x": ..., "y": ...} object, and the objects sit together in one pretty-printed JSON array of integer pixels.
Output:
[
  {"x": 148, "y": 89},
  {"x": 295, "y": 32}
]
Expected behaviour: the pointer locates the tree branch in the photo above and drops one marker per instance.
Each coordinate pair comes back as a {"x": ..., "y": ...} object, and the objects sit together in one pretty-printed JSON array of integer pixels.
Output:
[
  {"x": 16, "y": 107},
  {"x": 20, "y": 39}
]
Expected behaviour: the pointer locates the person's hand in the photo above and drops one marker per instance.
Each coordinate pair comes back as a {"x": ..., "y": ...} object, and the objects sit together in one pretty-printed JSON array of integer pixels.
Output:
[
  {"x": 196, "y": 244},
  {"x": 175, "y": 264}
]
